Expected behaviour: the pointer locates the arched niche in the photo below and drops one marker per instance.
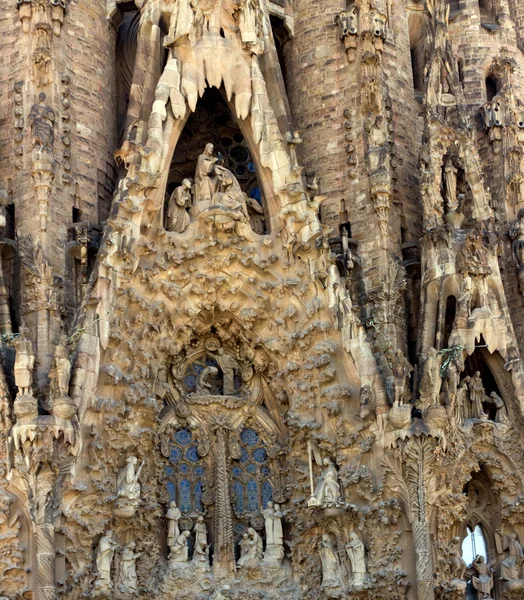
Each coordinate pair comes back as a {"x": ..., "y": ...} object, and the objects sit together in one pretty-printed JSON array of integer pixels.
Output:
[
  {"x": 447, "y": 309},
  {"x": 173, "y": 133},
  {"x": 214, "y": 122},
  {"x": 418, "y": 47}
]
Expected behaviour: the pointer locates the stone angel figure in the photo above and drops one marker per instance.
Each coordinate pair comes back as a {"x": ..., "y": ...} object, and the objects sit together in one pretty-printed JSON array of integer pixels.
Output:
[
  {"x": 127, "y": 483},
  {"x": 327, "y": 491}
]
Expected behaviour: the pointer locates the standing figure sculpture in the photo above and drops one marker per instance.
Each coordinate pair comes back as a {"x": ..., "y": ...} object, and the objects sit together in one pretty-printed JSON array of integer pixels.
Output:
[
  {"x": 177, "y": 215},
  {"x": 510, "y": 567},
  {"x": 357, "y": 557},
  {"x": 104, "y": 558},
  {"x": 173, "y": 532},
  {"x": 205, "y": 180},
  {"x": 402, "y": 370},
  {"x": 42, "y": 120},
  {"x": 128, "y": 583},
  {"x": 228, "y": 364},
  {"x": 62, "y": 368},
  {"x": 331, "y": 568},
  {"x": 483, "y": 581},
  {"x": 516, "y": 234},
  {"x": 24, "y": 363},
  {"x": 431, "y": 381},
  {"x": 477, "y": 395},
  {"x": 274, "y": 534},
  {"x": 461, "y": 407}
]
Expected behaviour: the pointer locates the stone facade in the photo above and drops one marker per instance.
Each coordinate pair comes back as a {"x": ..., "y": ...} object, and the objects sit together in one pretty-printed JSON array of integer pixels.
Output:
[{"x": 261, "y": 299}]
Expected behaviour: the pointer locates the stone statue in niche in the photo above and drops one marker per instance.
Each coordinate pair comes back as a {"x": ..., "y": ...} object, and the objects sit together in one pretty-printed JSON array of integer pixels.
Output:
[
  {"x": 430, "y": 382},
  {"x": 62, "y": 367},
  {"x": 228, "y": 365},
  {"x": 327, "y": 491},
  {"x": 460, "y": 408},
  {"x": 201, "y": 552},
  {"x": 127, "y": 581},
  {"x": 458, "y": 564},
  {"x": 128, "y": 489},
  {"x": 516, "y": 234},
  {"x": 24, "y": 363},
  {"x": 104, "y": 559},
  {"x": 378, "y": 146},
  {"x": 256, "y": 215},
  {"x": 357, "y": 558},
  {"x": 274, "y": 536},
  {"x": 205, "y": 179},
  {"x": 511, "y": 566},
  {"x": 477, "y": 396},
  {"x": 501, "y": 416},
  {"x": 450, "y": 184},
  {"x": 180, "y": 551},
  {"x": 483, "y": 581},
  {"x": 251, "y": 550},
  {"x": 402, "y": 370},
  {"x": 173, "y": 516},
  {"x": 331, "y": 567},
  {"x": 177, "y": 215},
  {"x": 42, "y": 120}
]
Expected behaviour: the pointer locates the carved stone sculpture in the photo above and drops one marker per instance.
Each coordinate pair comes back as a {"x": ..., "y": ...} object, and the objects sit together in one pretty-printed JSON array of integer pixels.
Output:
[
  {"x": 477, "y": 395},
  {"x": 104, "y": 559},
  {"x": 357, "y": 558},
  {"x": 173, "y": 515},
  {"x": 510, "y": 567},
  {"x": 203, "y": 386},
  {"x": 402, "y": 370},
  {"x": 327, "y": 491},
  {"x": 177, "y": 215},
  {"x": 201, "y": 552},
  {"x": 431, "y": 381},
  {"x": 501, "y": 415},
  {"x": 516, "y": 234},
  {"x": 331, "y": 568},
  {"x": 205, "y": 179},
  {"x": 24, "y": 363},
  {"x": 483, "y": 581},
  {"x": 458, "y": 564},
  {"x": 251, "y": 550},
  {"x": 228, "y": 365},
  {"x": 180, "y": 551},
  {"x": 127, "y": 581},
  {"x": 450, "y": 181},
  {"x": 274, "y": 536},
  {"x": 42, "y": 119},
  {"x": 128, "y": 489}
]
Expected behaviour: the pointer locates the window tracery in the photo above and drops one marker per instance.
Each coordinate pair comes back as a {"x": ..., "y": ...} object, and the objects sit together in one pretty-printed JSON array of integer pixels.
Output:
[
  {"x": 184, "y": 475},
  {"x": 252, "y": 488}
]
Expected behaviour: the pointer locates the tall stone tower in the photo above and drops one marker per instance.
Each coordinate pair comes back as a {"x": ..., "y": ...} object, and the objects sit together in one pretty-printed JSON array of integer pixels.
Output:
[{"x": 261, "y": 299}]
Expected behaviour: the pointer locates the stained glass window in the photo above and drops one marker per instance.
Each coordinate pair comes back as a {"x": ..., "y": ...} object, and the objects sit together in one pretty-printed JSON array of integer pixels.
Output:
[
  {"x": 251, "y": 476},
  {"x": 184, "y": 474}
]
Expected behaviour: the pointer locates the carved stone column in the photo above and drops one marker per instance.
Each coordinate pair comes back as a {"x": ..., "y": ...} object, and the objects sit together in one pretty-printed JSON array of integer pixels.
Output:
[
  {"x": 224, "y": 558},
  {"x": 43, "y": 176},
  {"x": 45, "y": 561}
]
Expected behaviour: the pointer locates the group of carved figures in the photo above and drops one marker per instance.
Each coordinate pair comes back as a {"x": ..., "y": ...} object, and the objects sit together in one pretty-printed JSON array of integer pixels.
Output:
[
  {"x": 332, "y": 569},
  {"x": 214, "y": 187},
  {"x": 483, "y": 571},
  {"x": 465, "y": 399},
  {"x": 178, "y": 541},
  {"x": 127, "y": 578}
]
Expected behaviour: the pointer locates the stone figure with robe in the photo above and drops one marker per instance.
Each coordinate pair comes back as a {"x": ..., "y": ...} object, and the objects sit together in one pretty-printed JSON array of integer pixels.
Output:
[
  {"x": 483, "y": 581},
  {"x": 180, "y": 550},
  {"x": 328, "y": 487},
  {"x": 477, "y": 395},
  {"x": 128, "y": 485},
  {"x": 274, "y": 534},
  {"x": 173, "y": 516},
  {"x": 251, "y": 550},
  {"x": 516, "y": 234},
  {"x": 357, "y": 557},
  {"x": 402, "y": 369},
  {"x": 127, "y": 577},
  {"x": 450, "y": 184},
  {"x": 42, "y": 120},
  {"x": 331, "y": 568},
  {"x": 177, "y": 215},
  {"x": 431, "y": 381},
  {"x": 24, "y": 363},
  {"x": 205, "y": 179},
  {"x": 104, "y": 558},
  {"x": 228, "y": 365},
  {"x": 511, "y": 566}
]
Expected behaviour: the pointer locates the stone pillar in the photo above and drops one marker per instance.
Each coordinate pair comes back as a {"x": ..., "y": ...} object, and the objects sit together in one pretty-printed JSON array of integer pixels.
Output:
[{"x": 224, "y": 558}]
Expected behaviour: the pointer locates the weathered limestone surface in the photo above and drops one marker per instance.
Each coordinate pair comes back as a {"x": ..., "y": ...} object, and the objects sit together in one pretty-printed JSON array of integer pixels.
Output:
[{"x": 261, "y": 299}]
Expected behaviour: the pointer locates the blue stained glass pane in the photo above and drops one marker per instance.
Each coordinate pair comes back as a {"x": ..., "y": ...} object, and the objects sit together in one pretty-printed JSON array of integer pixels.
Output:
[
  {"x": 244, "y": 456},
  {"x": 183, "y": 468},
  {"x": 260, "y": 455},
  {"x": 190, "y": 382},
  {"x": 169, "y": 470},
  {"x": 192, "y": 454},
  {"x": 198, "y": 368},
  {"x": 252, "y": 495},
  {"x": 199, "y": 490},
  {"x": 236, "y": 471},
  {"x": 171, "y": 492},
  {"x": 199, "y": 471},
  {"x": 255, "y": 193},
  {"x": 251, "y": 166},
  {"x": 267, "y": 493},
  {"x": 252, "y": 469},
  {"x": 265, "y": 471},
  {"x": 183, "y": 437},
  {"x": 249, "y": 437},
  {"x": 238, "y": 492},
  {"x": 239, "y": 528},
  {"x": 175, "y": 455},
  {"x": 185, "y": 496}
]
